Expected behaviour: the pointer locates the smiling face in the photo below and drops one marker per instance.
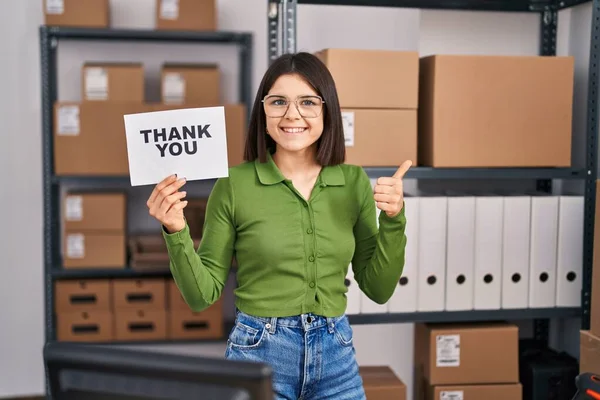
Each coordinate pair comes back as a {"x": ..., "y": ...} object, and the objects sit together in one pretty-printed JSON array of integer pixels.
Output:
[{"x": 293, "y": 132}]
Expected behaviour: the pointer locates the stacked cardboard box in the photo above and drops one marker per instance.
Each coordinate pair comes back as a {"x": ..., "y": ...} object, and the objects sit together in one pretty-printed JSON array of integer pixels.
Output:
[
  {"x": 186, "y": 15},
  {"x": 102, "y": 310},
  {"x": 94, "y": 226},
  {"x": 179, "y": 15},
  {"x": 495, "y": 111},
  {"x": 378, "y": 93},
  {"x": 187, "y": 324},
  {"x": 467, "y": 361},
  {"x": 381, "y": 383},
  {"x": 589, "y": 361},
  {"x": 89, "y": 135},
  {"x": 77, "y": 13}
]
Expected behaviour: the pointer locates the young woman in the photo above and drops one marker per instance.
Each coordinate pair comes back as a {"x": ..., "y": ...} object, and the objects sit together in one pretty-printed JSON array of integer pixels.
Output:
[{"x": 295, "y": 217}]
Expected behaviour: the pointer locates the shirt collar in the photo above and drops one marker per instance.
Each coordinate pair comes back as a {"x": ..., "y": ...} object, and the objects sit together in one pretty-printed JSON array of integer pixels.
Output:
[{"x": 269, "y": 174}]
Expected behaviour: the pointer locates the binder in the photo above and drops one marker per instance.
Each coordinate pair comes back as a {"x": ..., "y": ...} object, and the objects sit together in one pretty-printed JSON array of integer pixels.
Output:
[{"x": 569, "y": 251}]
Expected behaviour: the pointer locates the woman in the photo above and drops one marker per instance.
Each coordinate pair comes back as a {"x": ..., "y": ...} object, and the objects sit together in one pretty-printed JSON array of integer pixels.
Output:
[{"x": 295, "y": 217}]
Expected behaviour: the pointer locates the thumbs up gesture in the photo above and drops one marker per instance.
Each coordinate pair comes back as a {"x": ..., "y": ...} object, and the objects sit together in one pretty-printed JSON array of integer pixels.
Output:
[{"x": 389, "y": 193}]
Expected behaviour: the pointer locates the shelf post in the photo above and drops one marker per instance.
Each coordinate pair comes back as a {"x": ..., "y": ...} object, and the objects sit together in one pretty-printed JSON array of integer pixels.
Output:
[
  {"x": 591, "y": 160},
  {"x": 48, "y": 49}
]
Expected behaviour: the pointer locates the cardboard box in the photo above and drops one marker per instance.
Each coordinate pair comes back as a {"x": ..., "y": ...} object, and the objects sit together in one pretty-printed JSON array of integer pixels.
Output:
[
  {"x": 589, "y": 353},
  {"x": 187, "y": 324},
  {"x": 82, "y": 295},
  {"x": 381, "y": 383},
  {"x": 140, "y": 325},
  {"x": 112, "y": 82},
  {"x": 84, "y": 249},
  {"x": 85, "y": 326},
  {"x": 186, "y": 15},
  {"x": 77, "y": 13},
  {"x": 374, "y": 78},
  {"x": 95, "y": 212},
  {"x": 89, "y": 137},
  {"x": 190, "y": 83},
  {"x": 380, "y": 137},
  {"x": 476, "y": 392},
  {"x": 595, "y": 304},
  {"x": 472, "y": 353},
  {"x": 495, "y": 111},
  {"x": 139, "y": 294}
]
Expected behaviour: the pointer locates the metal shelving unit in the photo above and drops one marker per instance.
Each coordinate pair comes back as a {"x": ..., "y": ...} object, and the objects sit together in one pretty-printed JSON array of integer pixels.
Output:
[
  {"x": 281, "y": 38},
  {"x": 50, "y": 36}
]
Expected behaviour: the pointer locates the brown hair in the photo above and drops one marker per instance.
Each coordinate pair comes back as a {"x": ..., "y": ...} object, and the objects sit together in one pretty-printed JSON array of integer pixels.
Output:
[{"x": 331, "y": 148}]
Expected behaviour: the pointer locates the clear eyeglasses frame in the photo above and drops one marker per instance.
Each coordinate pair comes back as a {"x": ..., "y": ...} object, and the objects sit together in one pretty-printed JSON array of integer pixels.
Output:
[{"x": 277, "y": 106}]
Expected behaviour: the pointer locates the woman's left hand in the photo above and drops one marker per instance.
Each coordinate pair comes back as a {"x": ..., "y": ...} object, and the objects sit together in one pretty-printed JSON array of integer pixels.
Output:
[{"x": 389, "y": 193}]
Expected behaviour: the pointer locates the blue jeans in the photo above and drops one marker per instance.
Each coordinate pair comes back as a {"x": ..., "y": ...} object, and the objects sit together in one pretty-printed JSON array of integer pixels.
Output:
[{"x": 312, "y": 357}]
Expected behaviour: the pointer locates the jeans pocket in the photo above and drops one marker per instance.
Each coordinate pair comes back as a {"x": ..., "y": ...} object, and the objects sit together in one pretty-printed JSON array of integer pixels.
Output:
[
  {"x": 244, "y": 336},
  {"x": 343, "y": 332}
]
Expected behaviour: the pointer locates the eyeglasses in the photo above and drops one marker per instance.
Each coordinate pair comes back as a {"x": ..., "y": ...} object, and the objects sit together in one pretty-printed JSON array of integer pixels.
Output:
[{"x": 308, "y": 106}]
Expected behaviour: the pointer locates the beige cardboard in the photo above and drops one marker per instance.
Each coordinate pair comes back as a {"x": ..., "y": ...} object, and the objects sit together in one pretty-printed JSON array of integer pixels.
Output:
[
  {"x": 139, "y": 294},
  {"x": 94, "y": 211},
  {"x": 82, "y": 295},
  {"x": 595, "y": 305},
  {"x": 80, "y": 13},
  {"x": 85, "y": 326},
  {"x": 381, "y": 383},
  {"x": 201, "y": 83},
  {"x": 192, "y": 15},
  {"x": 374, "y": 78},
  {"x": 140, "y": 325},
  {"x": 124, "y": 82},
  {"x": 589, "y": 353},
  {"x": 495, "y": 111},
  {"x": 479, "y": 392},
  {"x": 83, "y": 249},
  {"x": 381, "y": 137}
]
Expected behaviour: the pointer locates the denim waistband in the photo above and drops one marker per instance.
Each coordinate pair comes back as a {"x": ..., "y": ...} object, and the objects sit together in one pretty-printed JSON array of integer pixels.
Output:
[{"x": 302, "y": 321}]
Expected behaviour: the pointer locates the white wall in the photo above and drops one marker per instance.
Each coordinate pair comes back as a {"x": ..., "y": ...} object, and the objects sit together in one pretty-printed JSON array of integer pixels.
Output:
[{"x": 21, "y": 288}]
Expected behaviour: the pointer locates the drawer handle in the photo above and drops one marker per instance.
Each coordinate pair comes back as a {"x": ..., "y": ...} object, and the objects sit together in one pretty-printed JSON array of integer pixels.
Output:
[
  {"x": 139, "y": 297},
  {"x": 83, "y": 299},
  {"x": 195, "y": 325},
  {"x": 85, "y": 328},
  {"x": 141, "y": 327}
]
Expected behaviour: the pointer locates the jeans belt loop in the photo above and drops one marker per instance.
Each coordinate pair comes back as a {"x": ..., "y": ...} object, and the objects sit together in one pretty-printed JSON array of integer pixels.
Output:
[{"x": 273, "y": 324}]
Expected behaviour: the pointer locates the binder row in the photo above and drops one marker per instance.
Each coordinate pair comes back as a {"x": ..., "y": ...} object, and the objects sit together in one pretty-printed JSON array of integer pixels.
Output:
[{"x": 486, "y": 252}]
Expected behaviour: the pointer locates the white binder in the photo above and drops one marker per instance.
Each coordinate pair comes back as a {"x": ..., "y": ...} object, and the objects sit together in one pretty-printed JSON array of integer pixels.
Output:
[
  {"x": 460, "y": 252},
  {"x": 544, "y": 238},
  {"x": 404, "y": 298},
  {"x": 515, "y": 251},
  {"x": 431, "y": 286},
  {"x": 488, "y": 252},
  {"x": 570, "y": 251}
]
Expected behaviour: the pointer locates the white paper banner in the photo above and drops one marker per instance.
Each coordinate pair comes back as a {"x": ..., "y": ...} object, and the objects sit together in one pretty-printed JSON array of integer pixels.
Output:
[{"x": 191, "y": 143}]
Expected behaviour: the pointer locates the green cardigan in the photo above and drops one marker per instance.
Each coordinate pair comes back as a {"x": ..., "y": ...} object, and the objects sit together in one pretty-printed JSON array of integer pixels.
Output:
[{"x": 292, "y": 255}]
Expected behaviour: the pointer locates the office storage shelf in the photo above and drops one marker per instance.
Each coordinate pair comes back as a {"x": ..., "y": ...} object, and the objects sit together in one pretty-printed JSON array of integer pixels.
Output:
[
  {"x": 282, "y": 31},
  {"x": 413, "y": 173},
  {"x": 50, "y": 37}
]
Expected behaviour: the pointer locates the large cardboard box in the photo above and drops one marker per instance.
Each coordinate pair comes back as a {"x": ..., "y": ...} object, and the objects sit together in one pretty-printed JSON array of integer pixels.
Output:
[
  {"x": 94, "y": 249},
  {"x": 82, "y": 295},
  {"x": 374, "y": 78},
  {"x": 589, "y": 353},
  {"x": 85, "y": 326},
  {"x": 139, "y": 294},
  {"x": 77, "y": 13},
  {"x": 380, "y": 137},
  {"x": 95, "y": 211},
  {"x": 186, "y": 15},
  {"x": 140, "y": 325},
  {"x": 476, "y": 392},
  {"x": 89, "y": 137},
  {"x": 471, "y": 353},
  {"x": 595, "y": 305},
  {"x": 381, "y": 383},
  {"x": 495, "y": 111},
  {"x": 112, "y": 82},
  {"x": 190, "y": 83}
]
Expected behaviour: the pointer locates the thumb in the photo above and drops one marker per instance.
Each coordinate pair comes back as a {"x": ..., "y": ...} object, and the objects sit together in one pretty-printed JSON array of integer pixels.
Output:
[{"x": 403, "y": 169}]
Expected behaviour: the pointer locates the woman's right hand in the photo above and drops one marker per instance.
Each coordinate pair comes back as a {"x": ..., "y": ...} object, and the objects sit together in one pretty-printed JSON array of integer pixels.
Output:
[{"x": 166, "y": 205}]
